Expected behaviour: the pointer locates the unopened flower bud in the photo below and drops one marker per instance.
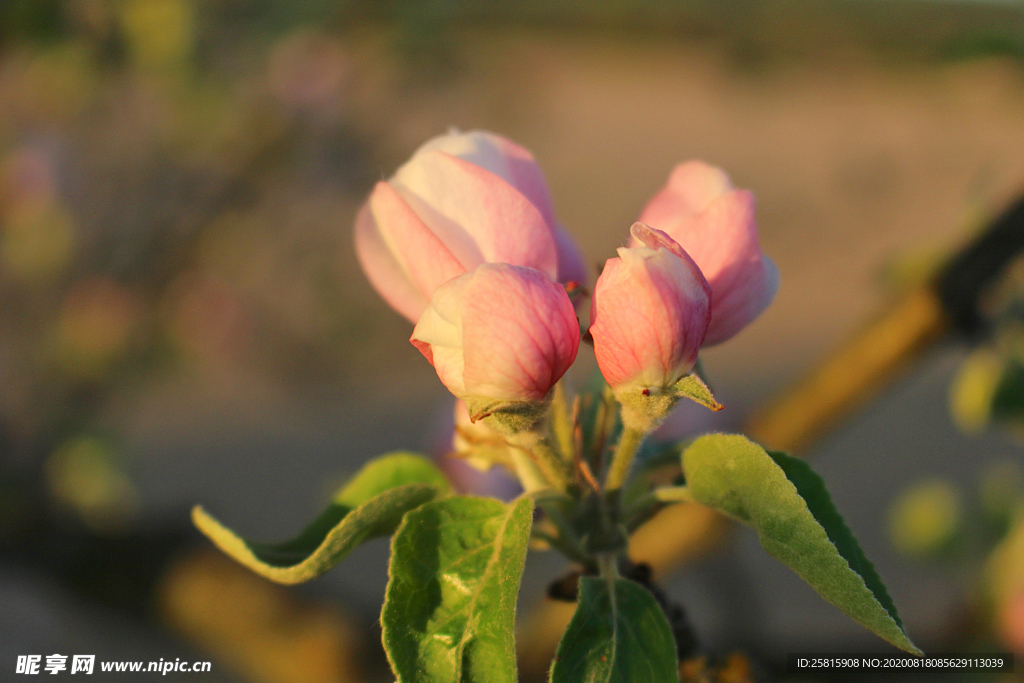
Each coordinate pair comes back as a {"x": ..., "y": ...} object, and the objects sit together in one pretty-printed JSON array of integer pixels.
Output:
[
  {"x": 649, "y": 315},
  {"x": 499, "y": 337},
  {"x": 462, "y": 199}
]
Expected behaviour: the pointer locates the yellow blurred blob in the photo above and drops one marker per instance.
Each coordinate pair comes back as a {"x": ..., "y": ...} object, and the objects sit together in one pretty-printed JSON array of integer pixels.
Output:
[
  {"x": 259, "y": 629},
  {"x": 735, "y": 669},
  {"x": 1004, "y": 586},
  {"x": 82, "y": 475},
  {"x": 94, "y": 327},
  {"x": 926, "y": 517},
  {"x": 37, "y": 242},
  {"x": 974, "y": 387},
  {"x": 160, "y": 33}
]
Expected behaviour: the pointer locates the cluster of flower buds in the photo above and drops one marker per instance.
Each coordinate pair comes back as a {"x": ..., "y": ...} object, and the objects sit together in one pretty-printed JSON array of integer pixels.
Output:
[{"x": 463, "y": 242}]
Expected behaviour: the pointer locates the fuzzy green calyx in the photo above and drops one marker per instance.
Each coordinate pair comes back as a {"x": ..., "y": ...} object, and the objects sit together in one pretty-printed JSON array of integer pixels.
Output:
[
  {"x": 508, "y": 417},
  {"x": 645, "y": 408}
]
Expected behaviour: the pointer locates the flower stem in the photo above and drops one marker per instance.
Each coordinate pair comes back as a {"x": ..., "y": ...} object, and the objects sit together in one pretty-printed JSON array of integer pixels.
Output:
[
  {"x": 625, "y": 453},
  {"x": 673, "y": 494},
  {"x": 529, "y": 472},
  {"x": 608, "y": 566},
  {"x": 540, "y": 452}
]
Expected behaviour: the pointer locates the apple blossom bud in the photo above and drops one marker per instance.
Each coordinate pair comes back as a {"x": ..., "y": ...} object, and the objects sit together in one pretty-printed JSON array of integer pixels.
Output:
[
  {"x": 462, "y": 199},
  {"x": 649, "y": 314},
  {"x": 499, "y": 338},
  {"x": 714, "y": 223}
]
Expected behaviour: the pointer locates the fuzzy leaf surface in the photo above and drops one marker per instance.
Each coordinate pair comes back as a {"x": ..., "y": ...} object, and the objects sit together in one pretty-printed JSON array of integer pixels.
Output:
[
  {"x": 787, "y": 504},
  {"x": 371, "y": 504},
  {"x": 693, "y": 387},
  {"x": 449, "y": 610},
  {"x": 617, "y": 634}
]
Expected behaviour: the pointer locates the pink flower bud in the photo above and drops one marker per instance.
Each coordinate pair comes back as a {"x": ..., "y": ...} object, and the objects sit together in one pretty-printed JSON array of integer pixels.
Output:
[
  {"x": 462, "y": 199},
  {"x": 714, "y": 223},
  {"x": 649, "y": 313},
  {"x": 500, "y": 333}
]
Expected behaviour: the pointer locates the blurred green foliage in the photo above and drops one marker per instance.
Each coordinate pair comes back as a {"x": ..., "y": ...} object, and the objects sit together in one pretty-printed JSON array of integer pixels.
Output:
[{"x": 33, "y": 19}]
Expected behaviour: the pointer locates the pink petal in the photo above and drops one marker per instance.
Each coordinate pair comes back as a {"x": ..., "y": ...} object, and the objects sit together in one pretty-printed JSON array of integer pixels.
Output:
[
  {"x": 438, "y": 333},
  {"x": 421, "y": 255},
  {"x": 523, "y": 173},
  {"x": 649, "y": 314},
  {"x": 502, "y": 157},
  {"x": 480, "y": 216},
  {"x": 743, "y": 303},
  {"x": 383, "y": 270},
  {"x": 656, "y": 239},
  {"x": 520, "y": 333},
  {"x": 722, "y": 239},
  {"x": 691, "y": 188},
  {"x": 424, "y": 348}
]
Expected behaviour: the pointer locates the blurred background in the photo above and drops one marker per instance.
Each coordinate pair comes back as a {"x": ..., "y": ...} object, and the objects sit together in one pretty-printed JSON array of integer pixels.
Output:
[{"x": 183, "y": 320}]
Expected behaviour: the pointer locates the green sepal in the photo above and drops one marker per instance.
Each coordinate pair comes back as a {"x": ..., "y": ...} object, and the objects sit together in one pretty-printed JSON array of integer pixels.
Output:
[
  {"x": 371, "y": 504},
  {"x": 698, "y": 369},
  {"x": 787, "y": 504},
  {"x": 449, "y": 609},
  {"x": 618, "y": 633},
  {"x": 508, "y": 417},
  {"x": 693, "y": 387}
]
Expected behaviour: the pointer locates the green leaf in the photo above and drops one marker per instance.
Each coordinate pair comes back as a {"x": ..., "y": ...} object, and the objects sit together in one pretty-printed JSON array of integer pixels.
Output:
[
  {"x": 617, "y": 634},
  {"x": 449, "y": 611},
  {"x": 692, "y": 387},
  {"x": 370, "y": 505},
  {"x": 796, "y": 522},
  {"x": 387, "y": 472}
]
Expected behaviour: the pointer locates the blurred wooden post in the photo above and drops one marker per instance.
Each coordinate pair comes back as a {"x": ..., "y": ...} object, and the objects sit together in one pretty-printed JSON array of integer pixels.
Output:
[{"x": 854, "y": 373}]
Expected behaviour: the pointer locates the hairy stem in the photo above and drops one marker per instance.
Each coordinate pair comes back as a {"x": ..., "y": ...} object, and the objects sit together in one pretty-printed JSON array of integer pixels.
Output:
[
  {"x": 529, "y": 473},
  {"x": 625, "y": 453},
  {"x": 547, "y": 461},
  {"x": 608, "y": 565}
]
